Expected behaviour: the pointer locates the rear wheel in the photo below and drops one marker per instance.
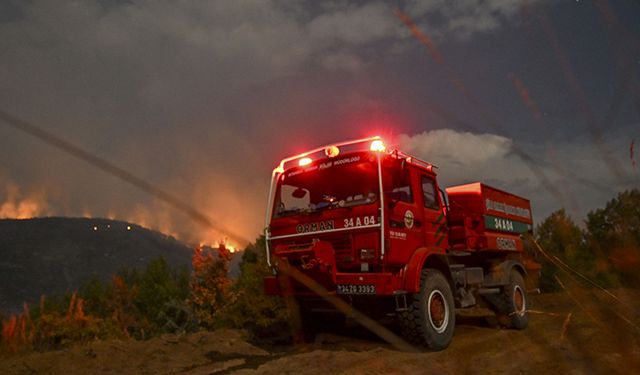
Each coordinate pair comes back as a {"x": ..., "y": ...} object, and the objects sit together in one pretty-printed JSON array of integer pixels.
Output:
[
  {"x": 430, "y": 317},
  {"x": 512, "y": 303}
]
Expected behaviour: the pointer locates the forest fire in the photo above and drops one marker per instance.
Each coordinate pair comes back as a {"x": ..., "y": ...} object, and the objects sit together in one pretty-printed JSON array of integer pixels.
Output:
[
  {"x": 15, "y": 203},
  {"x": 223, "y": 247},
  {"x": 18, "y": 206}
]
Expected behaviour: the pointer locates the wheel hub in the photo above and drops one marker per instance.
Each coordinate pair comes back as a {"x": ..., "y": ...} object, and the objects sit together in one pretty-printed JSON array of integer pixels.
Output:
[{"x": 438, "y": 311}]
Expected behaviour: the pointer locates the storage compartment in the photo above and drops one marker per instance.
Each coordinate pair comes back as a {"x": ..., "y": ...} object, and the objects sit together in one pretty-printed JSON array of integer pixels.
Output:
[{"x": 485, "y": 218}]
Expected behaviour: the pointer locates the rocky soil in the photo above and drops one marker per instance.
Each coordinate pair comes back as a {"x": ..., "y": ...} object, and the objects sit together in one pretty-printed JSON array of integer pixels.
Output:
[{"x": 566, "y": 335}]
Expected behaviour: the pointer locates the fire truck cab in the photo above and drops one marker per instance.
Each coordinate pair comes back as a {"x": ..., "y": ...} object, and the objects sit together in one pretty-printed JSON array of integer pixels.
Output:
[{"x": 373, "y": 226}]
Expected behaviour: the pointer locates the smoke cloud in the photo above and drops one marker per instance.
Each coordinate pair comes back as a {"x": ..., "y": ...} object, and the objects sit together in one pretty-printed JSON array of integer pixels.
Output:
[
  {"x": 464, "y": 157},
  {"x": 202, "y": 99}
]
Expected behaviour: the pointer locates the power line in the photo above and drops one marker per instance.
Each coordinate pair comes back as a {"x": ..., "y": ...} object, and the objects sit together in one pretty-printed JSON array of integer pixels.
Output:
[{"x": 123, "y": 175}]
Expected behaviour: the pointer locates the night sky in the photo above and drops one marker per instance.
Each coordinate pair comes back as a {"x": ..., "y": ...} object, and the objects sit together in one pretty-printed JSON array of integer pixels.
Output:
[{"x": 203, "y": 98}]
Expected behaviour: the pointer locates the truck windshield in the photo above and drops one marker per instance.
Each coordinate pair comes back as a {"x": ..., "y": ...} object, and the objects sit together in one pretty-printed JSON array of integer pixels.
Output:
[{"x": 345, "y": 182}]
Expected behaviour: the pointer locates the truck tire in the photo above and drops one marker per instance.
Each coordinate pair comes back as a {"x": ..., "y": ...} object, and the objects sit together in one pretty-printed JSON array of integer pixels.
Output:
[
  {"x": 430, "y": 318},
  {"x": 511, "y": 304}
]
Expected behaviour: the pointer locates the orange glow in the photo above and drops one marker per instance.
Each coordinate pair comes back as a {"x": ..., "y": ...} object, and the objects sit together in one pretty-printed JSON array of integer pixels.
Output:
[
  {"x": 159, "y": 220},
  {"x": 378, "y": 146},
  {"x": 304, "y": 161},
  {"x": 18, "y": 205},
  {"x": 332, "y": 151}
]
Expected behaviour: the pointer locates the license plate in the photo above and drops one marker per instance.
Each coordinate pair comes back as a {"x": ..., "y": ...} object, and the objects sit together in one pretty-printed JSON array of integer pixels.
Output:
[{"x": 356, "y": 289}]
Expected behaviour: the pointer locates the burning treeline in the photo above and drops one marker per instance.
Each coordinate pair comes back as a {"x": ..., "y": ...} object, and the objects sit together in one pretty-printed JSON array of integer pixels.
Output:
[
  {"x": 14, "y": 204},
  {"x": 19, "y": 203}
]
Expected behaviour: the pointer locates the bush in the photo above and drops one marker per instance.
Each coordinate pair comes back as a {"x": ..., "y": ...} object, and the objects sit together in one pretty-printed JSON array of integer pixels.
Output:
[
  {"x": 177, "y": 317},
  {"x": 17, "y": 332},
  {"x": 265, "y": 317},
  {"x": 607, "y": 252},
  {"x": 53, "y": 330},
  {"x": 210, "y": 286},
  {"x": 560, "y": 237},
  {"x": 613, "y": 233},
  {"x": 159, "y": 287},
  {"x": 133, "y": 304}
]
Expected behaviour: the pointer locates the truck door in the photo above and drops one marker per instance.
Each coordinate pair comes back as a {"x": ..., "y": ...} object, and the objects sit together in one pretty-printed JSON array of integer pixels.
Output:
[
  {"x": 435, "y": 223},
  {"x": 404, "y": 216}
]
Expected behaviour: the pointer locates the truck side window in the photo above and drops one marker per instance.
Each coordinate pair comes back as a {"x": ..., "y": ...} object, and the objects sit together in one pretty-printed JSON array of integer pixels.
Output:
[
  {"x": 429, "y": 193},
  {"x": 401, "y": 189}
]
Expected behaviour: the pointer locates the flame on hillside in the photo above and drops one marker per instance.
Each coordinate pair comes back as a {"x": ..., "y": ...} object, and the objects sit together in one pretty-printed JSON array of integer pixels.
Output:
[
  {"x": 167, "y": 223},
  {"x": 222, "y": 245},
  {"x": 17, "y": 205}
]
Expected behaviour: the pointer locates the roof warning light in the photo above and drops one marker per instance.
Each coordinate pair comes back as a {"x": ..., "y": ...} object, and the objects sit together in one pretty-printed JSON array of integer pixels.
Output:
[
  {"x": 378, "y": 146},
  {"x": 304, "y": 161},
  {"x": 332, "y": 151}
]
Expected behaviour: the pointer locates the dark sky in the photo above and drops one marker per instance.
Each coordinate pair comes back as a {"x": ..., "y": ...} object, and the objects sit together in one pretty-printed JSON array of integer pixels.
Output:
[{"x": 203, "y": 98}]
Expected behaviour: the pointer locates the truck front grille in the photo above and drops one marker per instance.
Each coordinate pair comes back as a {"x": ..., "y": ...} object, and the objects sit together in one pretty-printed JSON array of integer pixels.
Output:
[
  {"x": 343, "y": 248},
  {"x": 342, "y": 245}
]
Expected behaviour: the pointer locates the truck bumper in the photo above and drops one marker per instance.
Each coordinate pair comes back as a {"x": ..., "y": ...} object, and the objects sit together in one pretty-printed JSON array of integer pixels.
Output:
[{"x": 384, "y": 284}]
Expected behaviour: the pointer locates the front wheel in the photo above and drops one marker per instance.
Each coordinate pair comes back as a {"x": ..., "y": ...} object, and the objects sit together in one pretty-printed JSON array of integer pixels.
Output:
[{"x": 430, "y": 317}]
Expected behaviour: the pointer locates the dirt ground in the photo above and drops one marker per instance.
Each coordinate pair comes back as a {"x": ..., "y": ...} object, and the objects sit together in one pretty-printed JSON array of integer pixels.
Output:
[{"x": 568, "y": 333}]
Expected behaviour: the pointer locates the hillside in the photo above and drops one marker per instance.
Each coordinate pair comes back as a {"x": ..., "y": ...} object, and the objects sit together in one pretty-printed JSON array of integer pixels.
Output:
[{"x": 55, "y": 255}]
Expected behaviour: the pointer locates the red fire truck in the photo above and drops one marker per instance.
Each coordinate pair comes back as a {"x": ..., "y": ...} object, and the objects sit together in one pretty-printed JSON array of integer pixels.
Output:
[{"x": 373, "y": 226}]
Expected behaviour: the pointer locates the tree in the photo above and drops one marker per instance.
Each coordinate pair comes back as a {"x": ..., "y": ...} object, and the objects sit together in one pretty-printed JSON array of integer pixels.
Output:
[
  {"x": 142, "y": 303},
  {"x": 210, "y": 285},
  {"x": 265, "y": 317},
  {"x": 613, "y": 232},
  {"x": 559, "y": 236},
  {"x": 159, "y": 285}
]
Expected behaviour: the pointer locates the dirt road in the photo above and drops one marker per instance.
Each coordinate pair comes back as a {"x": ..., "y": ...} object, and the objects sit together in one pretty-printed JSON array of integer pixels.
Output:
[{"x": 562, "y": 338}]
